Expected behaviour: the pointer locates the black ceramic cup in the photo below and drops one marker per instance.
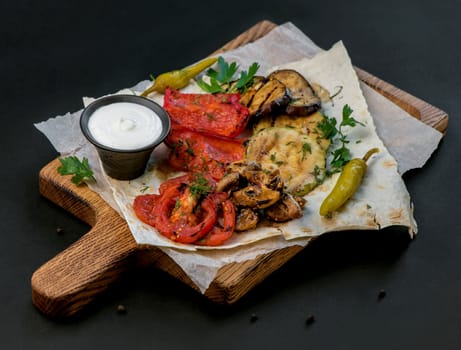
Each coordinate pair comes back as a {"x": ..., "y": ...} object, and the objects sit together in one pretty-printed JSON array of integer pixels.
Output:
[{"x": 123, "y": 164}]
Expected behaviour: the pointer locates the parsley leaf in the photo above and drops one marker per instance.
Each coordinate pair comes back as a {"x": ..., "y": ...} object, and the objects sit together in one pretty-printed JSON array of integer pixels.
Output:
[
  {"x": 347, "y": 119},
  {"x": 222, "y": 80},
  {"x": 79, "y": 169},
  {"x": 246, "y": 78},
  {"x": 212, "y": 88},
  {"x": 341, "y": 155},
  {"x": 328, "y": 127}
]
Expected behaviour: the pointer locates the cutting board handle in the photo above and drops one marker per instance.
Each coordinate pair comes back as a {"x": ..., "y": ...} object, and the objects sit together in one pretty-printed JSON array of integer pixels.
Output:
[{"x": 73, "y": 278}]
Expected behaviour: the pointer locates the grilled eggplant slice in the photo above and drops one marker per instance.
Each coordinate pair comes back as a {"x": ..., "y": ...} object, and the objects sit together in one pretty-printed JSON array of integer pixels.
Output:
[
  {"x": 271, "y": 97},
  {"x": 298, "y": 156},
  {"x": 304, "y": 100},
  {"x": 247, "y": 96}
]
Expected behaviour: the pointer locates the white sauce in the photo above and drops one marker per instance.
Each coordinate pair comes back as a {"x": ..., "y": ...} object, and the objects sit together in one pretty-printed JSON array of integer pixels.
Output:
[{"x": 125, "y": 125}]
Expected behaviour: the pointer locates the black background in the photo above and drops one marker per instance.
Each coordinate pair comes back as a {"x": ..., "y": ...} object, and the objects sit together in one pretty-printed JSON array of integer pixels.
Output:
[{"x": 52, "y": 53}]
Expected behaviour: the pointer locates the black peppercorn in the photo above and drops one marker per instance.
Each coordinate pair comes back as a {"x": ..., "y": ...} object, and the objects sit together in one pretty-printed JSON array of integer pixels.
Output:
[
  {"x": 121, "y": 309},
  {"x": 310, "y": 319}
]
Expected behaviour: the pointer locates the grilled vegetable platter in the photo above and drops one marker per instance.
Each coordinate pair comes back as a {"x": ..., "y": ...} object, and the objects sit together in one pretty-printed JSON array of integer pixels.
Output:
[
  {"x": 261, "y": 158},
  {"x": 292, "y": 152}
]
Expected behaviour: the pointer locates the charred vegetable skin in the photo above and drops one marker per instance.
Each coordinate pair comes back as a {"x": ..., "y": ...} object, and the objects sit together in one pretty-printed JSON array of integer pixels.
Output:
[
  {"x": 347, "y": 184},
  {"x": 303, "y": 99},
  {"x": 283, "y": 91},
  {"x": 178, "y": 79},
  {"x": 269, "y": 98}
]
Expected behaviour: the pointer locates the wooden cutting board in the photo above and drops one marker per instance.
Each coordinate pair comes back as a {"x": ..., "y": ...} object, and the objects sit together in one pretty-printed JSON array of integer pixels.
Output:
[{"x": 73, "y": 278}]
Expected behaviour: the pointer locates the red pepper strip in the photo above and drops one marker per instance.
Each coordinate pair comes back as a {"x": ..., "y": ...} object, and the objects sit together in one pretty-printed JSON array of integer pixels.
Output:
[
  {"x": 214, "y": 114},
  {"x": 180, "y": 230},
  {"x": 219, "y": 235},
  {"x": 143, "y": 207},
  {"x": 192, "y": 151}
]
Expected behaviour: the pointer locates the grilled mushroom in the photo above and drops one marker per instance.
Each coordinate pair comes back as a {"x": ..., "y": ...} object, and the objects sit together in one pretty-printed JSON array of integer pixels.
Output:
[
  {"x": 254, "y": 196},
  {"x": 246, "y": 220},
  {"x": 242, "y": 166},
  {"x": 228, "y": 182},
  {"x": 271, "y": 179},
  {"x": 286, "y": 209}
]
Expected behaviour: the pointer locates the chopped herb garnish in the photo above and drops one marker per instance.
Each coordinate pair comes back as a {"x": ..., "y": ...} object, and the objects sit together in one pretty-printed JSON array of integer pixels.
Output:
[
  {"x": 190, "y": 150},
  {"x": 222, "y": 80},
  {"x": 306, "y": 148},
  {"x": 79, "y": 169},
  {"x": 318, "y": 174},
  {"x": 340, "y": 88},
  {"x": 200, "y": 186},
  {"x": 144, "y": 189}
]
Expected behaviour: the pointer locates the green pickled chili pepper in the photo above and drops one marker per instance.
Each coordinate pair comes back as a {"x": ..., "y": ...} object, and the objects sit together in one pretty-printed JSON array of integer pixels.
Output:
[
  {"x": 348, "y": 182},
  {"x": 177, "y": 79}
]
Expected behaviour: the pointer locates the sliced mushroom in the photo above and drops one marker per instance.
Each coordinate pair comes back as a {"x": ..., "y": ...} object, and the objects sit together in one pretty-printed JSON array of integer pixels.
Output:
[
  {"x": 301, "y": 201},
  {"x": 246, "y": 220},
  {"x": 270, "y": 179},
  {"x": 228, "y": 182},
  {"x": 241, "y": 166},
  {"x": 254, "y": 196},
  {"x": 286, "y": 209}
]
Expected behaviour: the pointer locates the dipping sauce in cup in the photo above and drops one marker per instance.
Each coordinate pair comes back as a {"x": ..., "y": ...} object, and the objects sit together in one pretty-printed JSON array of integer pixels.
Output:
[{"x": 125, "y": 129}]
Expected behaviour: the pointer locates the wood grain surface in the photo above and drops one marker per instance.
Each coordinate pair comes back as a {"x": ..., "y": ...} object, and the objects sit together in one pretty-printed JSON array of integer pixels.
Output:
[{"x": 75, "y": 277}]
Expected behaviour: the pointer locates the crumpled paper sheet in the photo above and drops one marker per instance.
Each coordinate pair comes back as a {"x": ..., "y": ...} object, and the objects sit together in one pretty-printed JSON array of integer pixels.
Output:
[{"x": 284, "y": 44}]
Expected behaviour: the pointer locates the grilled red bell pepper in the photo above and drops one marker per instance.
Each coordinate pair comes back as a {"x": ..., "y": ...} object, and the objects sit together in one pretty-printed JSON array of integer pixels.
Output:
[
  {"x": 214, "y": 114},
  {"x": 192, "y": 151}
]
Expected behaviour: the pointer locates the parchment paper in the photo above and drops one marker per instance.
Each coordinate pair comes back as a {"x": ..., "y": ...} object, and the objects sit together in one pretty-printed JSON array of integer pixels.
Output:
[{"x": 284, "y": 44}]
